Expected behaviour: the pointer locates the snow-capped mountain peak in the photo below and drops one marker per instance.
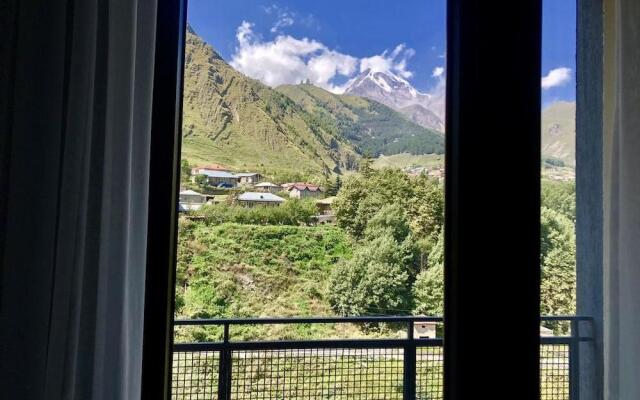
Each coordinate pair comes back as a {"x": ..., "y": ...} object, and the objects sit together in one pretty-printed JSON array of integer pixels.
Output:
[
  {"x": 396, "y": 92},
  {"x": 387, "y": 81}
]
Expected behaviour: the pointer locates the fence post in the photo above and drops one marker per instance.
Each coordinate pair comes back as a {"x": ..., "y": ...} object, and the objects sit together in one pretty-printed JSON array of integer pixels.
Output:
[
  {"x": 409, "y": 370},
  {"x": 574, "y": 361},
  {"x": 224, "y": 369}
]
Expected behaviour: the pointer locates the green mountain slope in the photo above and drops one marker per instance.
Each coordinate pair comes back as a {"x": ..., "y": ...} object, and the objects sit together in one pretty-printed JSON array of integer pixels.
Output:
[
  {"x": 237, "y": 121},
  {"x": 559, "y": 132},
  {"x": 372, "y": 128}
]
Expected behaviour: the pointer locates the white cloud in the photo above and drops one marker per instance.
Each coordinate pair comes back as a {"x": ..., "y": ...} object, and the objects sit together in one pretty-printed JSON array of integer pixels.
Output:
[
  {"x": 556, "y": 77},
  {"x": 395, "y": 62},
  {"x": 289, "y": 60},
  {"x": 437, "y": 72}
]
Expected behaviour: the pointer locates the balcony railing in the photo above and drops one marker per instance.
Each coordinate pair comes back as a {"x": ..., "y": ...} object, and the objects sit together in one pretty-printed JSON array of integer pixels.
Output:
[{"x": 405, "y": 368}]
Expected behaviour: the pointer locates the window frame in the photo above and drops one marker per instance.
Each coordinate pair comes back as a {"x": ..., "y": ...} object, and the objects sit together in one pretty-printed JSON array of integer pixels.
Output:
[{"x": 473, "y": 27}]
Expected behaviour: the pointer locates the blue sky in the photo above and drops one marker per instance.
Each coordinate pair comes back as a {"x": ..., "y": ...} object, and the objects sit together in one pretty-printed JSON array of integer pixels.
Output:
[{"x": 331, "y": 41}]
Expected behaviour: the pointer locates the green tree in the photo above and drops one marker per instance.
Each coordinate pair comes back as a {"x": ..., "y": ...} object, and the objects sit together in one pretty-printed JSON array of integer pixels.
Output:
[
  {"x": 558, "y": 262},
  {"x": 392, "y": 220},
  {"x": 375, "y": 281},
  {"x": 202, "y": 181},
  {"x": 333, "y": 187},
  {"x": 362, "y": 196},
  {"x": 428, "y": 289},
  {"x": 185, "y": 171},
  {"x": 559, "y": 196}
]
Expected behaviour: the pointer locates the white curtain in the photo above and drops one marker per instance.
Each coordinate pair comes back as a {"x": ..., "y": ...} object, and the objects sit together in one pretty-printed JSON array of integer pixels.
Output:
[
  {"x": 74, "y": 251},
  {"x": 622, "y": 211}
]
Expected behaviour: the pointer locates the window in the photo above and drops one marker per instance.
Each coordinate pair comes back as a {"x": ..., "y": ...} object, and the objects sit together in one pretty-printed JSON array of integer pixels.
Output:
[{"x": 523, "y": 26}]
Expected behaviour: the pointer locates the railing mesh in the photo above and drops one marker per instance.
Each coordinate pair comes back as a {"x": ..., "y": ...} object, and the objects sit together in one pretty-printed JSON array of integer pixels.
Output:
[
  {"x": 554, "y": 372},
  {"x": 337, "y": 373},
  {"x": 429, "y": 373},
  {"x": 195, "y": 375}
]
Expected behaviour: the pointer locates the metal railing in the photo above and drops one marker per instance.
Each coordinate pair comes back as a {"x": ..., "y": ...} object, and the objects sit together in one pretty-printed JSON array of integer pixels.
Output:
[{"x": 405, "y": 368}]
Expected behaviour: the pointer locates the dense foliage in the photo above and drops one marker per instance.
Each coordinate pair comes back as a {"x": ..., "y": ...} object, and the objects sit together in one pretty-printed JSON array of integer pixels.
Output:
[
  {"x": 395, "y": 220},
  {"x": 292, "y": 212},
  {"x": 385, "y": 255},
  {"x": 558, "y": 262},
  {"x": 236, "y": 270},
  {"x": 363, "y": 195},
  {"x": 377, "y": 280}
]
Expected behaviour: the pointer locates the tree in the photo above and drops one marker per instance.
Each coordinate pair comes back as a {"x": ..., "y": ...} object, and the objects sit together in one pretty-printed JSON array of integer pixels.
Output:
[
  {"x": 202, "y": 181},
  {"x": 362, "y": 196},
  {"x": 185, "y": 171},
  {"x": 375, "y": 281},
  {"x": 428, "y": 292},
  {"x": 558, "y": 262},
  {"x": 391, "y": 220},
  {"x": 428, "y": 289},
  {"x": 333, "y": 187},
  {"x": 559, "y": 196}
]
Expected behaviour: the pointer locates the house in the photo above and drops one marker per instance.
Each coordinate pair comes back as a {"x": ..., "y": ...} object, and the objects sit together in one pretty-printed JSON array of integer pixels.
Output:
[
  {"x": 252, "y": 199},
  {"x": 303, "y": 190},
  {"x": 250, "y": 178},
  {"x": 268, "y": 187},
  {"x": 190, "y": 200},
  {"x": 325, "y": 212},
  {"x": 220, "y": 178}
]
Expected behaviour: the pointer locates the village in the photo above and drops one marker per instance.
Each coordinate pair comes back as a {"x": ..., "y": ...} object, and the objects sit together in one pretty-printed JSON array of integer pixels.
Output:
[{"x": 248, "y": 189}]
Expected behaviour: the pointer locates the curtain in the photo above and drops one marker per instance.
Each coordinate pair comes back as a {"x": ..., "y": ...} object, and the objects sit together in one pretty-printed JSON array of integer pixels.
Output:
[
  {"x": 77, "y": 174},
  {"x": 622, "y": 202}
]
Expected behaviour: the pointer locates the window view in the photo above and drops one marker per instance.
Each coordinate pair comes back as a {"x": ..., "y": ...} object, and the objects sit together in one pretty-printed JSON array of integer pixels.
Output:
[
  {"x": 312, "y": 192},
  {"x": 558, "y": 246},
  {"x": 558, "y": 197},
  {"x": 312, "y": 161}
]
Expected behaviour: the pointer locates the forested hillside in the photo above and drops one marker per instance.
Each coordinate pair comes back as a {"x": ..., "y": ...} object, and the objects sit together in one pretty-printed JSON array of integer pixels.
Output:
[{"x": 372, "y": 128}]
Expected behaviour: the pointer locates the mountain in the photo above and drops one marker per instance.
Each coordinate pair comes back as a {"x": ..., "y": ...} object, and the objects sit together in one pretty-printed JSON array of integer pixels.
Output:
[
  {"x": 233, "y": 120},
  {"x": 559, "y": 132},
  {"x": 294, "y": 130},
  {"x": 395, "y": 92},
  {"x": 372, "y": 128}
]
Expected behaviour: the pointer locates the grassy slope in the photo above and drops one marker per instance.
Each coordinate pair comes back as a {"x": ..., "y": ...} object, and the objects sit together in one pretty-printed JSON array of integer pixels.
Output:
[
  {"x": 370, "y": 126},
  {"x": 559, "y": 131},
  {"x": 233, "y": 270},
  {"x": 231, "y": 119},
  {"x": 404, "y": 160}
]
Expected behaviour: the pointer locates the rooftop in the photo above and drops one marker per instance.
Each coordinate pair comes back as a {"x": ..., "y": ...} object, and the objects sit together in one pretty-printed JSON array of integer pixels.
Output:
[
  {"x": 302, "y": 186},
  {"x": 267, "y": 184},
  {"x": 259, "y": 196},
  {"x": 219, "y": 174}
]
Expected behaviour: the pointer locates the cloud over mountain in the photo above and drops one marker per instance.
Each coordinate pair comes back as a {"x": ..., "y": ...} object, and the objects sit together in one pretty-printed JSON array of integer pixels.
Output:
[{"x": 289, "y": 60}]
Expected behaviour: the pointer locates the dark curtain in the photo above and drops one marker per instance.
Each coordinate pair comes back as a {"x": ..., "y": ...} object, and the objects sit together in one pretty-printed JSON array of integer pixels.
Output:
[{"x": 76, "y": 127}]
